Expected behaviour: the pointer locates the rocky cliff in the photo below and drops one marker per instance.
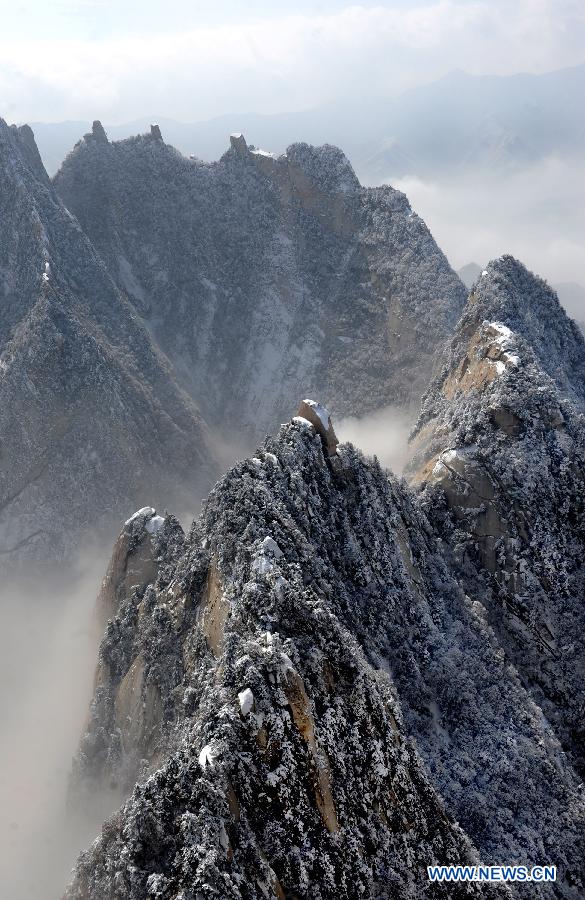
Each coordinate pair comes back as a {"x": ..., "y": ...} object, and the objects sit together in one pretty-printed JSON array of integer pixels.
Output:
[
  {"x": 310, "y": 701},
  {"x": 265, "y": 277},
  {"x": 91, "y": 417},
  {"x": 187, "y": 297},
  {"x": 501, "y": 465}
]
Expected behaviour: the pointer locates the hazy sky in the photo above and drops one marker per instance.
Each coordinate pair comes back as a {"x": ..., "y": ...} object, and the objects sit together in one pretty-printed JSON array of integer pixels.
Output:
[{"x": 121, "y": 59}]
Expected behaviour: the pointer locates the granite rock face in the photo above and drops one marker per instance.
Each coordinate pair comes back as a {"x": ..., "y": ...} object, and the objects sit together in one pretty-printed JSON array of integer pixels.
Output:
[
  {"x": 92, "y": 420},
  {"x": 264, "y": 278}
]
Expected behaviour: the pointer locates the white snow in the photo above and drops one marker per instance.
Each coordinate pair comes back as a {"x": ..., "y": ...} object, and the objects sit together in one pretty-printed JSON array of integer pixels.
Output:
[
  {"x": 246, "y": 698},
  {"x": 270, "y": 544},
  {"x": 263, "y": 565},
  {"x": 145, "y": 511},
  {"x": 505, "y": 341},
  {"x": 267, "y": 553},
  {"x": 505, "y": 333},
  {"x": 155, "y": 524},
  {"x": 320, "y": 411},
  {"x": 236, "y": 134},
  {"x": 300, "y": 420},
  {"x": 207, "y": 756},
  {"x": 484, "y": 273},
  {"x": 279, "y": 586},
  {"x": 286, "y": 663},
  {"x": 259, "y": 152}
]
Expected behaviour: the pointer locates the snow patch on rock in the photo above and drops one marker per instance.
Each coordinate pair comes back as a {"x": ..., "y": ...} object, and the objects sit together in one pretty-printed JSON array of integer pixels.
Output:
[
  {"x": 246, "y": 700},
  {"x": 145, "y": 511}
]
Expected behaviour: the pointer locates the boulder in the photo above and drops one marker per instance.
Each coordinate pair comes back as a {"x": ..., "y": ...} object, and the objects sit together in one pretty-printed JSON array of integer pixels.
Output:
[{"x": 320, "y": 419}]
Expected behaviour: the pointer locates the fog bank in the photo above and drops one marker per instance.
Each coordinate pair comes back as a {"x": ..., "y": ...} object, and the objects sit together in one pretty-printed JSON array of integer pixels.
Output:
[
  {"x": 537, "y": 214},
  {"x": 47, "y": 660},
  {"x": 383, "y": 433}
]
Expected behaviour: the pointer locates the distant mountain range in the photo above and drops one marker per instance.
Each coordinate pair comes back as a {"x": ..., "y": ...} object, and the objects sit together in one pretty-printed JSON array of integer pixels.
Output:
[{"x": 461, "y": 121}]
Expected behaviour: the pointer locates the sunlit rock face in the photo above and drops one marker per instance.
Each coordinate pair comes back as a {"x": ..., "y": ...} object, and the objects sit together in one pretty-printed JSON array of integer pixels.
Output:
[
  {"x": 500, "y": 461},
  {"x": 265, "y": 278},
  {"x": 309, "y": 701},
  {"x": 92, "y": 421}
]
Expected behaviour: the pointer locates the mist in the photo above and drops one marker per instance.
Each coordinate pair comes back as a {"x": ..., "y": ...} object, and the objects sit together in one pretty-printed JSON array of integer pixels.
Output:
[
  {"x": 262, "y": 57},
  {"x": 537, "y": 214},
  {"x": 383, "y": 433},
  {"x": 48, "y": 651}
]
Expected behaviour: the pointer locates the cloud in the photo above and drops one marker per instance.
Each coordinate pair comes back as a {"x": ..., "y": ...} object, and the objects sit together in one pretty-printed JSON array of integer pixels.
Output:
[
  {"x": 536, "y": 214},
  {"x": 47, "y": 662},
  {"x": 279, "y": 63},
  {"x": 383, "y": 433}
]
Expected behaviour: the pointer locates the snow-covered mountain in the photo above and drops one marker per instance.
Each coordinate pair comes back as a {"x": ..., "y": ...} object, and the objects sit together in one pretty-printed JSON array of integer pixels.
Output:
[
  {"x": 182, "y": 310},
  {"x": 501, "y": 461},
  {"x": 335, "y": 678},
  {"x": 310, "y": 699},
  {"x": 91, "y": 417},
  {"x": 266, "y": 277},
  {"x": 570, "y": 293}
]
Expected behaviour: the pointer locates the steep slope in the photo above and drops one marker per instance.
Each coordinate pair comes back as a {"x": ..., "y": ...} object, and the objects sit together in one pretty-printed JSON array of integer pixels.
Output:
[
  {"x": 90, "y": 415},
  {"x": 264, "y": 685},
  {"x": 265, "y": 277},
  {"x": 501, "y": 463}
]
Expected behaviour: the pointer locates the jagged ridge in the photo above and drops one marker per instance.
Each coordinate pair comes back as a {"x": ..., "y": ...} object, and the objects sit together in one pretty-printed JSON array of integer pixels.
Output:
[
  {"x": 501, "y": 458},
  {"x": 278, "y": 638},
  {"x": 266, "y": 276},
  {"x": 91, "y": 416}
]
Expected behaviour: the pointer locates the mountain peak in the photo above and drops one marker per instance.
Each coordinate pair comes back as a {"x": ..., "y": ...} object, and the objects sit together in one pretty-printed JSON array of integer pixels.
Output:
[
  {"x": 469, "y": 274},
  {"x": 327, "y": 165},
  {"x": 98, "y": 132},
  {"x": 305, "y": 622},
  {"x": 238, "y": 143},
  {"x": 506, "y": 292},
  {"x": 18, "y": 148}
]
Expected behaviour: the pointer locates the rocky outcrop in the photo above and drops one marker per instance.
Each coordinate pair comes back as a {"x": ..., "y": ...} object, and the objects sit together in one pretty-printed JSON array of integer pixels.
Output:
[
  {"x": 124, "y": 732},
  {"x": 320, "y": 419},
  {"x": 133, "y": 563},
  {"x": 501, "y": 467},
  {"x": 347, "y": 705},
  {"x": 262, "y": 277},
  {"x": 98, "y": 133},
  {"x": 92, "y": 420}
]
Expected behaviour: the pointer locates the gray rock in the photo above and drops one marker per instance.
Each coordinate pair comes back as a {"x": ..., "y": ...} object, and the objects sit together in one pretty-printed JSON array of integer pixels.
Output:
[
  {"x": 92, "y": 421},
  {"x": 267, "y": 278}
]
